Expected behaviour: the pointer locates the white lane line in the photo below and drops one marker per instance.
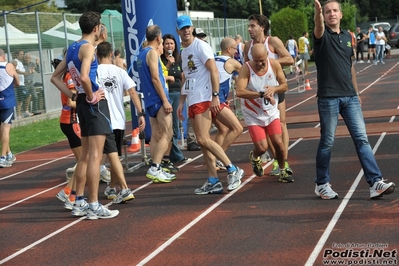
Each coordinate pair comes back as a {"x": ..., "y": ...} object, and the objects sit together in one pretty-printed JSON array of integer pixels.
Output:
[
  {"x": 201, "y": 216},
  {"x": 34, "y": 167}
]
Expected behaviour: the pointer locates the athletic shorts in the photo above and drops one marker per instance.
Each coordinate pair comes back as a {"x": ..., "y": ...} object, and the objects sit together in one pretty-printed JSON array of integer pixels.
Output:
[
  {"x": 222, "y": 105},
  {"x": 110, "y": 145},
  {"x": 72, "y": 134},
  {"x": 304, "y": 56},
  {"x": 93, "y": 119},
  {"x": 281, "y": 97},
  {"x": 113, "y": 142},
  {"x": 198, "y": 108},
  {"x": 152, "y": 110},
  {"x": 371, "y": 46},
  {"x": 6, "y": 115},
  {"x": 258, "y": 133}
]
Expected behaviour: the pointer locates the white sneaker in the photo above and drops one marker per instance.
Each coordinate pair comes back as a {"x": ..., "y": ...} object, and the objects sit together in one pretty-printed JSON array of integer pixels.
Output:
[
  {"x": 361, "y": 62},
  {"x": 234, "y": 179},
  {"x": 62, "y": 196},
  {"x": 158, "y": 176},
  {"x": 381, "y": 188},
  {"x": 105, "y": 175},
  {"x": 368, "y": 61},
  {"x": 265, "y": 157},
  {"x": 101, "y": 212},
  {"x": 325, "y": 192}
]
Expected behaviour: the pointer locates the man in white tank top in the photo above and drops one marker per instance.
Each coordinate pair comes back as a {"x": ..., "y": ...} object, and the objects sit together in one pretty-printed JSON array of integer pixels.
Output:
[
  {"x": 258, "y": 30},
  {"x": 258, "y": 83},
  {"x": 229, "y": 128}
]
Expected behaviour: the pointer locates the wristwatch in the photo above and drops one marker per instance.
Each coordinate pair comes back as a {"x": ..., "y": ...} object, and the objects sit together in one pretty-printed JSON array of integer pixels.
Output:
[
  {"x": 215, "y": 93},
  {"x": 73, "y": 98},
  {"x": 261, "y": 94}
]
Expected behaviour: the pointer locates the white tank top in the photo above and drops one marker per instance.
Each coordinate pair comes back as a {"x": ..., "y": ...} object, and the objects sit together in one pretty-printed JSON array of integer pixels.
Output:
[
  {"x": 266, "y": 43},
  {"x": 255, "y": 111}
]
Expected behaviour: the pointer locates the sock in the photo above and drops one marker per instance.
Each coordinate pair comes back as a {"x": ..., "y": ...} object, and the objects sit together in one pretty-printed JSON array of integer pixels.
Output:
[
  {"x": 79, "y": 200},
  {"x": 155, "y": 167},
  {"x": 3, "y": 157},
  {"x": 9, "y": 154},
  {"x": 231, "y": 168},
  {"x": 72, "y": 196},
  {"x": 165, "y": 159},
  {"x": 93, "y": 205},
  {"x": 319, "y": 184},
  {"x": 213, "y": 180},
  {"x": 67, "y": 190}
]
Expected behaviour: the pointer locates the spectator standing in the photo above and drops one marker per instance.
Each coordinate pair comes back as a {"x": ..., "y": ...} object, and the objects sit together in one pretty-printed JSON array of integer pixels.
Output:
[
  {"x": 23, "y": 95},
  {"x": 171, "y": 60},
  {"x": 360, "y": 39},
  {"x": 338, "y": 94},
  {"x": 239, "y": 54},
  {"x": 380, "y": 46},
  {"x": 304, "y": 50},
  {"x": 32, "y": 67},
  {"x": 118, "y": 60},
  {"x": 9, "y": 78},
  {"x": 292, "y": 48},
  {"x": 371, "y": 44}
]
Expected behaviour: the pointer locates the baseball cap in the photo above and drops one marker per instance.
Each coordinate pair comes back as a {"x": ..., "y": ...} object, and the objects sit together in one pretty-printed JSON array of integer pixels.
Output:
[
  {"x": 183, "y": 21},
  {"x": 198, "y": 32}
]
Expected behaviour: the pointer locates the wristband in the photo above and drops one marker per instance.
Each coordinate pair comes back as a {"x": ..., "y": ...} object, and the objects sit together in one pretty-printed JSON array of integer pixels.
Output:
[
  {"x": 261, "y": 94},
  {"x": 73, "y": 98},
  {"x": 141, "y": 114}
]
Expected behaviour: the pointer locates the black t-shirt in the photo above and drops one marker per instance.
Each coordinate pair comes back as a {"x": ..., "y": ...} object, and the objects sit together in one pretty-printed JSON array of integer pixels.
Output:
[
  {"x": 175, "y": 71},
  {"x": 359, "y": 37},
  {"x": 333, "y": 52}
]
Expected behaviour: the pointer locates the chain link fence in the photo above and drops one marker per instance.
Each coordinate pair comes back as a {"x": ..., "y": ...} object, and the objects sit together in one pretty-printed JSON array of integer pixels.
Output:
[{"x": 36, "y": 38}]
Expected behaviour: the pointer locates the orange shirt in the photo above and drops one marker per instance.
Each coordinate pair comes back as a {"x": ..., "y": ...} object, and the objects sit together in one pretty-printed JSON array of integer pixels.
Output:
[{"x": 68, "y": 114}]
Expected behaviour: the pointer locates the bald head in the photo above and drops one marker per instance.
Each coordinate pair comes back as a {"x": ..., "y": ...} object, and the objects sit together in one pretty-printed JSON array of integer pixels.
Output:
[
  {"x": 258, "y": 51},
  {"x": 226, "y": 43}
]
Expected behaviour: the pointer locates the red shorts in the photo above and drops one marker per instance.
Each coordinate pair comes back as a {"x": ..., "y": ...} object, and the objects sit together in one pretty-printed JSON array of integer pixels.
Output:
[
  {"x": 222, "y": 105},
  {"x": 198, "y": 108},
  {"x": 258, "y": 133}
]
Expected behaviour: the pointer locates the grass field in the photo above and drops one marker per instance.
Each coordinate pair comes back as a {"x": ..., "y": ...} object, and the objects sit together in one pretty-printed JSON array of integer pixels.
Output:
[{"x": 39, "y": 133}]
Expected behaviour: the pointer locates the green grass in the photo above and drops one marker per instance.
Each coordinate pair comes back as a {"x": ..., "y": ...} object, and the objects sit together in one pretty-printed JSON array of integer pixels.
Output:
[{"x": 39, "y": 134}]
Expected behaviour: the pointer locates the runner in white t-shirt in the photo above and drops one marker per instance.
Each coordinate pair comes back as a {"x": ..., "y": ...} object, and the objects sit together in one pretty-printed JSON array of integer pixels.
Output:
[
  {"x": 115, "y": 81},
  {"x": 201, "y": 88}
]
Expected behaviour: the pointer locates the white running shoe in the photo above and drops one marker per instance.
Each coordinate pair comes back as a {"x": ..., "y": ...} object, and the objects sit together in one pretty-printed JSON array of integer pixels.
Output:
[
  {"x": 62, "y": 196},
  {"x": 158, "y": 176},
  {"x": 266, "y": 157},
  {"x": 234, "y": 179},
  {"x": 381, "y": 188},
  {"x": 105, "y": 174},
  {"x": 325, "y": 192},
  {"x": 68, "y": 204},
  {"x": 110, "y": 193},
  {"x": 101, "y": 212}
]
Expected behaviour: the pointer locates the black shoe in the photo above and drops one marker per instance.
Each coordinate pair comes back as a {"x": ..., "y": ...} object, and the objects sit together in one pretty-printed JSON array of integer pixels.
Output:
[{"x": 193, "y": 146}]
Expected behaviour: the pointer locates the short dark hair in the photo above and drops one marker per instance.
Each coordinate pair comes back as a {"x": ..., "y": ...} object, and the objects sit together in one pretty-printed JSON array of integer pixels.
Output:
[
  {"x": 104, "y": 49},
  {"x": 152, "y": 32},
  {"x": 262, "y": 20},
  {"x": 88, "y": 21},
  {"x": 117, "y": 52}
]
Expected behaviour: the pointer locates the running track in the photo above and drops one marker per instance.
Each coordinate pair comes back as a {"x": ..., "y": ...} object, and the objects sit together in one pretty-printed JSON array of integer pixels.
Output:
[{"x": 264, "y": 222}]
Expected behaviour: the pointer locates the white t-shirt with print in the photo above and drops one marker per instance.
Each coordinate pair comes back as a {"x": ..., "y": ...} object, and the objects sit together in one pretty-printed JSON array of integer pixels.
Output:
[{"x": 115, "y": 81}]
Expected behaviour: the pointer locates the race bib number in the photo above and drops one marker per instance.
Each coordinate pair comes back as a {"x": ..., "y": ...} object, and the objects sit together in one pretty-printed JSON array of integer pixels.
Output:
[{"x": 188, "y": 86}]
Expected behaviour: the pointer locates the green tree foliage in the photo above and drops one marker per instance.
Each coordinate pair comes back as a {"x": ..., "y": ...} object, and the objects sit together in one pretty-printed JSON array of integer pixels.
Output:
[{"x": 288, "y": 21}]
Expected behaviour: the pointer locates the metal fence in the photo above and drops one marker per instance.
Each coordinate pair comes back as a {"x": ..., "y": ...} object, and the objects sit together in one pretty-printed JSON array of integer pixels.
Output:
[{"x": 44, "y": 35}]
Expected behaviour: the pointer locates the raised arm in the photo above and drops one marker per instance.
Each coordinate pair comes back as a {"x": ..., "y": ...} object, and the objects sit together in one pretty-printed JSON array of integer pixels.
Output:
[{"x": 318, "y": 20}]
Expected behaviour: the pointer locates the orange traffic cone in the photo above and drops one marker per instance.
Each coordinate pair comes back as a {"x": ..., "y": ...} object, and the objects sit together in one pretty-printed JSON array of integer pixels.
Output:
[
  {"x": 307, "y": 85},
  {"x": 135, "y": 146}
]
